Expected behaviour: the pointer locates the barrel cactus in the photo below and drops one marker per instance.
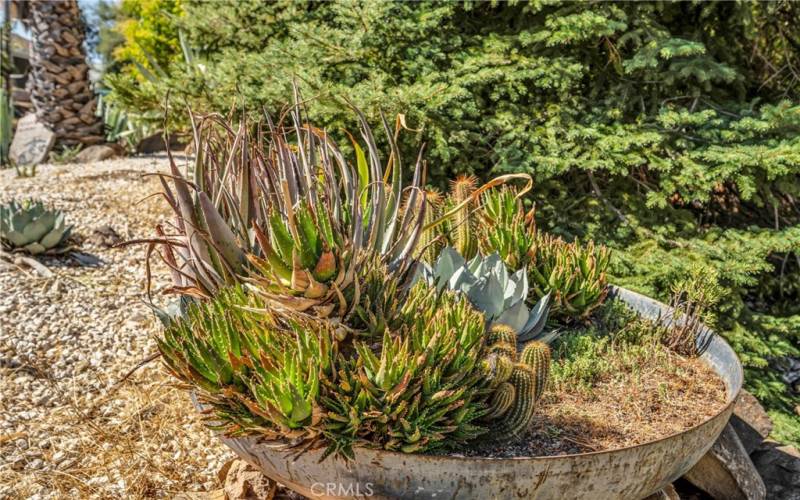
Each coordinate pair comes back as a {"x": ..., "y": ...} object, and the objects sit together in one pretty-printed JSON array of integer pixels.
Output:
[
  {"x": 498, "y": 294},
  {"x": 31, "y": 227},
  {"x": 518, "y": 381}
]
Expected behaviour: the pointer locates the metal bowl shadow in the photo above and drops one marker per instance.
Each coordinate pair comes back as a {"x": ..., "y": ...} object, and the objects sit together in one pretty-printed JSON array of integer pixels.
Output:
[{"x": 629, "y": 473}]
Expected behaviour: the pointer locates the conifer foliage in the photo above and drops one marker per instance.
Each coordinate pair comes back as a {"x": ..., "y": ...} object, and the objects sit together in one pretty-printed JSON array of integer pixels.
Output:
[{"x": 668, "y": 131}]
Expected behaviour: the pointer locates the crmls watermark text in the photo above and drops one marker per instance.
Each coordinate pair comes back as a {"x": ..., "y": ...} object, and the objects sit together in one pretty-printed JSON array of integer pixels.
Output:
[{"x": 342, "y": 490}]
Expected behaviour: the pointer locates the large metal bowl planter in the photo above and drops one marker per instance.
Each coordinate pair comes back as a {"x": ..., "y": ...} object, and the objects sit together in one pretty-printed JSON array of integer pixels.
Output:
[{"x": 628, "y": 473}]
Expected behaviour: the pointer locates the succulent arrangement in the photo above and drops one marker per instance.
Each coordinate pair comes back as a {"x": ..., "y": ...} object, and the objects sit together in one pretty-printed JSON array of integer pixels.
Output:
[
  {"x": 29, "y": 226},
  {"x": 572, "y": 274},
  {"x": 308, "y": 315}
]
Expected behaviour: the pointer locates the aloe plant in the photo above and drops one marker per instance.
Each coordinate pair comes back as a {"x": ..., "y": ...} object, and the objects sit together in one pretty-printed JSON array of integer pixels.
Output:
[
  {"x": 423, "y": 389},
  {"x": 259, "y": 372},
  {"x": 279, "y": 206},
  {"x": 500, "y": 295},
  {"x": 572, "y": 274},
  {"x": 124, "y": 126},
  {"x": 284, "y": 376}
]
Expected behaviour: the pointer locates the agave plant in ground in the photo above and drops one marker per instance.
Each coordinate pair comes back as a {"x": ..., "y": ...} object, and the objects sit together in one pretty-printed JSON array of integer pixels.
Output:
[
  {"x": 490, "y": 287},
  {"x": 31, "y": 227}
]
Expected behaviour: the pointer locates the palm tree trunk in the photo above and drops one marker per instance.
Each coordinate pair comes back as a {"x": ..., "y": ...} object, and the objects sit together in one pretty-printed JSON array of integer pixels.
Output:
[{"x": 59, "y": 80}]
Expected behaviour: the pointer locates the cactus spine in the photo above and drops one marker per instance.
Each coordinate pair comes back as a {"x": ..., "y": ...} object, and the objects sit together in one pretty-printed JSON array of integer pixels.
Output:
[
  {"x": 513, "y": 401},
  {"x": 537, "y": 355},
  {"x": 498, "y": 368},
  {"x": 501, "y": 401},
  {"x": 501, "y": 333},
  {"x": 464, "y": 239},
  {"x": 428, "y": 248},
  {"x": 517, "y": 419}
]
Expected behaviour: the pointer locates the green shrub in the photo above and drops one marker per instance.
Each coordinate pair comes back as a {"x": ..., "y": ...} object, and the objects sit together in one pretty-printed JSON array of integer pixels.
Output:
[{"x": 665, "y": 130}]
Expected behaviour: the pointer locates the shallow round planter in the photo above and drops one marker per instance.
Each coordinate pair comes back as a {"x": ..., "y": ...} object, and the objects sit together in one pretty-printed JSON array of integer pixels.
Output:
[{"x": 628, "y": 473}]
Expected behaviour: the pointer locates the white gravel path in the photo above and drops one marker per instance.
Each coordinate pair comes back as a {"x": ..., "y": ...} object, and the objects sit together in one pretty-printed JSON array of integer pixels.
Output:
[{"x": 66, "y": 339}]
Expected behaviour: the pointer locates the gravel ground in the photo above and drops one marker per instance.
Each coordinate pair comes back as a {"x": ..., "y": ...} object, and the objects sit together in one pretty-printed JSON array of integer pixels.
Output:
[{"x": 67, "y": 429}]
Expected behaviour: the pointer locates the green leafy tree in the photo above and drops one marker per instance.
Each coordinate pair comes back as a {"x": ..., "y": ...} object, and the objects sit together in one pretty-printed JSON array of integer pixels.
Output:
[{"x": 665, "y": 130}]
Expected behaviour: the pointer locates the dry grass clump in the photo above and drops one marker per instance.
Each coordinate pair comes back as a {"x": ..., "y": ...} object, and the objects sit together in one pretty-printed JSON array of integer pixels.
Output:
[
  {"x": 145, "y": 440},
  {"x": 633, "y": 407}
]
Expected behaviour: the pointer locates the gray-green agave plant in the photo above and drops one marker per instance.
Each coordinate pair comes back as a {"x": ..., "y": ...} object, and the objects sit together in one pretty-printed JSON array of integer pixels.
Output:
[
  {"x": 490, "y": 287},
  {"x": 31, "y": 227}
]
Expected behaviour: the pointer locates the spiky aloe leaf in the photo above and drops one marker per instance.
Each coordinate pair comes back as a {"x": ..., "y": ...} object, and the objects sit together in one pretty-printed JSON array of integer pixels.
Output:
[{"x": 221, "y": 235}]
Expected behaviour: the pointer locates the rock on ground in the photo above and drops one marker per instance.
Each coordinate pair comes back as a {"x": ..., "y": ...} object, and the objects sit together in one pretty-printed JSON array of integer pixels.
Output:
[
  {"x": 750, "y": 421},
  {"x": 98, "y": 152},
  {"x": 780, "y": 468},
  {"x": 32, "y": 141},
  {"x": 244, "y": 482},
  {"x": 726, "y": 471}
]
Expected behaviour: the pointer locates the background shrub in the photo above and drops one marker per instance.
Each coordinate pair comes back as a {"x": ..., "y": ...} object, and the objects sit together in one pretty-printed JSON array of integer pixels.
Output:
[{"x": 667, "y": 131}]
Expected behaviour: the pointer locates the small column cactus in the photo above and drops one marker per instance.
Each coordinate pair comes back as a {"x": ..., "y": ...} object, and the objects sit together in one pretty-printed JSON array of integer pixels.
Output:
[
  {"x": 537, "y": 356},
  {"x": 517, "y": 419},
  {"x": 501, "y": 401},
  {"x": 519, "y": 382}
]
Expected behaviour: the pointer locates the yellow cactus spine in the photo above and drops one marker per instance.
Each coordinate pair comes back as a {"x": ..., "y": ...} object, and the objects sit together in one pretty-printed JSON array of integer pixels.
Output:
[
  {"x": 460, "y": 192},
  {"x": 517, "y": 419},
  {"x": 501, "y": 333},
  {"x": 427, "y": 246},
  {"x": 501, "y": 401},
  {"x": 537, "y": 356}
]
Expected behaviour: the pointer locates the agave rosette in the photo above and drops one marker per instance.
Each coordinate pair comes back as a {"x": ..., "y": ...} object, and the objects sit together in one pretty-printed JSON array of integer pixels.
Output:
[
  {"x": 31, "y": 227},
  {"x": 492, "y": 289}
]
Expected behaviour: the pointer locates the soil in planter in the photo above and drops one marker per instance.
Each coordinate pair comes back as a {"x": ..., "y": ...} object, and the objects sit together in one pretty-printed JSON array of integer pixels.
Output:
[{"x": 614, "y": 385}]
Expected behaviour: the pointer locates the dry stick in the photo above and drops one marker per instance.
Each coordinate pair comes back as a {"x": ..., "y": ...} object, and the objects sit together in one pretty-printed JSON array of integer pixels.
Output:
[
  {"x": 11, "y": 437},
  {"x": 115, "y": 387},
  {"x": 8, "y": 262},
  {"x": 18, "y": 260},
  {"x": 581, "y": 443},
  {"x": 599, "y": 194}
]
